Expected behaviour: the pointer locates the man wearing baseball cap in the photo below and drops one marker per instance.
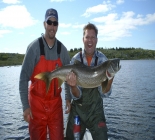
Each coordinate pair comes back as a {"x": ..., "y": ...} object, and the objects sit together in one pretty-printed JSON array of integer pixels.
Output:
[{"x": 42, "y": 109}]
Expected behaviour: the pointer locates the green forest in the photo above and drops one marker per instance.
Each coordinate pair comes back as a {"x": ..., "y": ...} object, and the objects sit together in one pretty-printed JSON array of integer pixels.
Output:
[{"x": 11, "y": 59}]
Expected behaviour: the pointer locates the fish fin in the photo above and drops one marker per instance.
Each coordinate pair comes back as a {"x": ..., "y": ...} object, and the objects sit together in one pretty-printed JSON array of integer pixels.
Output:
[
  {"x": 77, "y": 62},
  {"x": 104, "y": 85},
  {"x": 60, "y": 82},
  {"x": 45, "y": 77}
]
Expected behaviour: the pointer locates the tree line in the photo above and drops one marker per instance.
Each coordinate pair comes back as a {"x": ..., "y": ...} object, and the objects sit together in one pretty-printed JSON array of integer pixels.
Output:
[
  {"x": 122, "y": 53},
  {"x": 10, "y": 59}
]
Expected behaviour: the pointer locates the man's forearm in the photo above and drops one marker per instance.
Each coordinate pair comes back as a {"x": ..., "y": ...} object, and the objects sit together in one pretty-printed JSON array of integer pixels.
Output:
[{"x": 75, "y": 91}]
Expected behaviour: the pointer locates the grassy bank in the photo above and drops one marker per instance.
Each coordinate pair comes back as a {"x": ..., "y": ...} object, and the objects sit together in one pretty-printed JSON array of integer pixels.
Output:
[{"x": 11, "y": 59}]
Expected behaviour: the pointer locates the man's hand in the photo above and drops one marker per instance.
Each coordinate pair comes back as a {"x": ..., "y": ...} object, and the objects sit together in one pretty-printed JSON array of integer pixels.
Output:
[
  {"x": 27, "y": 115},
  {"x": 71, "y": 79}
]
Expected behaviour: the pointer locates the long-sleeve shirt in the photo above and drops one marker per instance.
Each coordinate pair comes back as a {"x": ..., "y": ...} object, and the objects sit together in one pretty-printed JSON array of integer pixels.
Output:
[
  {"x": 31, "y": 58},
  {"x": 101, "y": 58}
]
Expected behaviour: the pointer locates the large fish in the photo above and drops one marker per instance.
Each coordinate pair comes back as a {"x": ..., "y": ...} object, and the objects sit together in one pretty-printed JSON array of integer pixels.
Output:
[{"x": 87, "y": 76}]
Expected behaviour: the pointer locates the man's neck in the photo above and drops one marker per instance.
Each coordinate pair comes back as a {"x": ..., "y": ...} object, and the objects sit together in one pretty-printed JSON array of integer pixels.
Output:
[
  {"x": 50, "y": 42},
  {"x": 89, "y": 55}
]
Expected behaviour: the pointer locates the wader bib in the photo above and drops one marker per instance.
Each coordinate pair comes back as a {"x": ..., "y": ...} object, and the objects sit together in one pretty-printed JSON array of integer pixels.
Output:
[
  {"x": 90, "y": 109},
  {"x": 46, "y": 108}
]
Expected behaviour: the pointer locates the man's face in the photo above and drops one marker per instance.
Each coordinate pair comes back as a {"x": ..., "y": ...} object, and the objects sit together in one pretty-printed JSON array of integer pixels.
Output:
[
  {"x": 90, "y": 41},
  {"x": 50, "y": 30}
]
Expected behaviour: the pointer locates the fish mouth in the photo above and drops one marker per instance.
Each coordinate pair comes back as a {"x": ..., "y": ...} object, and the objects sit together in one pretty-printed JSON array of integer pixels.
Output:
[
  {"x": 118, "y": 65},
  {"x": 114, "y": 66}
]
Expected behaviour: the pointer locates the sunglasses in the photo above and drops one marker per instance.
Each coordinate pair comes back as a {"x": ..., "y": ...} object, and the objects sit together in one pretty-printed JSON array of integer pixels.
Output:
[{"x": 49, "y": 22}]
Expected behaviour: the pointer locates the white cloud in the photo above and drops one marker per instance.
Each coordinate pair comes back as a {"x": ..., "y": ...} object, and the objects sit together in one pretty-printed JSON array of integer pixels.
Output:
[
  {"x": 113, "y": 27},
  {"x": 60, "y": 0},
  {"x": 139, "y": 16},
  {"x": 139, "y": 0},
  {"x": 101, "y": 8},
  {"x": 65, "y": 33},
  {"x": 107, "y": 19},
  {"x": 2, "y": 32},
  {"x": 16, "y": 16},
  {"x": 150, "y": 18},
  {"x": 120, "y": 1},
  {"x": 78, "y": 26},
  {"x": 11, "y": 1},
  {"x": 63, "y": 25}
]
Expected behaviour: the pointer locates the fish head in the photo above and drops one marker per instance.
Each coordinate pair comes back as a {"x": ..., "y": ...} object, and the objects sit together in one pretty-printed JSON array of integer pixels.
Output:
[{"x": 114, "y": 66}]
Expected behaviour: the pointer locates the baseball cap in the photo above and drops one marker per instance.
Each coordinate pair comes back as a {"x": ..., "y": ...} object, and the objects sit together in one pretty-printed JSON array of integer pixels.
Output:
[{"x": 51, "y": 13}]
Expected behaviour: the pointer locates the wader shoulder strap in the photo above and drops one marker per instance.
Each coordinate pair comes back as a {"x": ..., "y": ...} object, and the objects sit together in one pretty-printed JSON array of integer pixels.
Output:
[
  {"x": 81, "y": 57},
  {"x": 96, "y": 59},
  {"x": 58, "y": 48},
  {"x": 42, "y": 47}
]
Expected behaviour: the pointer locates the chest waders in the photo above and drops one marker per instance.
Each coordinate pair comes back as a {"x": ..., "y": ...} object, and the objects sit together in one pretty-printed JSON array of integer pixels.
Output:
[
  {"x": 46, "y": 108},
  {"x": 90, "y": 109}
]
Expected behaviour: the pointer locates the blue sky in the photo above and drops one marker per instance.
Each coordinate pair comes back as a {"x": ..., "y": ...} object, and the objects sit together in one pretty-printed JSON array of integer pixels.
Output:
[{"x": 121, "y": 23}]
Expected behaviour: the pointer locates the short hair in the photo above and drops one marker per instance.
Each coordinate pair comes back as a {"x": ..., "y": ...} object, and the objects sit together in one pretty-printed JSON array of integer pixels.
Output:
[{"x": 90, "y": 26}]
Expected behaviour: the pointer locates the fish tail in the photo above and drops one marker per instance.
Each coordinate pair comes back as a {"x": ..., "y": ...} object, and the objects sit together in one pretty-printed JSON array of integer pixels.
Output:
[{"x": 45, "y": 77}]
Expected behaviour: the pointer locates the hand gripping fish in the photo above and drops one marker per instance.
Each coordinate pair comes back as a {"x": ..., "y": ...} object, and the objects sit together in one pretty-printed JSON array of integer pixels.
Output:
[{"x": 87, "y": 76}]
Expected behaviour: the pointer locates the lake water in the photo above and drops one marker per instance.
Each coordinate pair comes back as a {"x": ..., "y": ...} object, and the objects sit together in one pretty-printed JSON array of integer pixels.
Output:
[{"x": 130, "y": 110}]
